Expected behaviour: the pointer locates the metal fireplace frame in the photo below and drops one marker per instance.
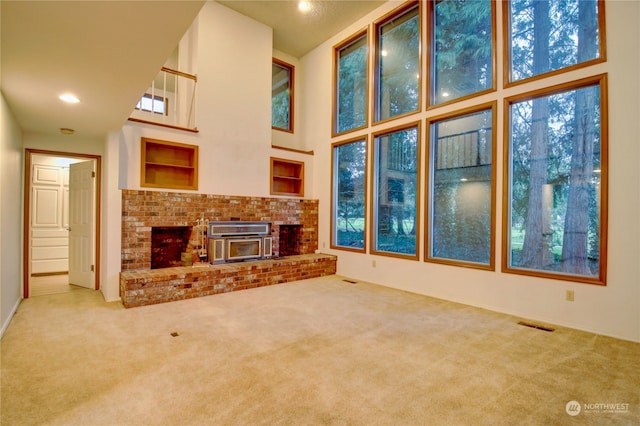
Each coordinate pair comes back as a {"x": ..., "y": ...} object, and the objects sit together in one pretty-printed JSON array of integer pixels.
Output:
[{"x": 225, "y": 238}]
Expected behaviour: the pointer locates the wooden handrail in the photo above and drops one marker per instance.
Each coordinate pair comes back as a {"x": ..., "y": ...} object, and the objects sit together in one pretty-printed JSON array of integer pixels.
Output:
[{"x": 179, "y": 73}]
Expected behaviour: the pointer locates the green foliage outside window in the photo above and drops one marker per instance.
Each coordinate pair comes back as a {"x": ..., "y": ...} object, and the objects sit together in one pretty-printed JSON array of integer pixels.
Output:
[
  {"x": 461, "y": 188},
  {"x": 461, "y": 49},
  {"x": 281, "y": 96},
  {"x": 399, "y": 66},
  {"x": 551, "y": 35},
  {"x": 352, "y": 86},
  {"x": 396, "y": 191},
  {"x": 349, "y": 165}
]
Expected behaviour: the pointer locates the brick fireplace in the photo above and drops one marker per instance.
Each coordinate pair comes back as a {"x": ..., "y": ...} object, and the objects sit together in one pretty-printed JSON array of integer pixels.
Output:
[{"x": 144, "y": 212}]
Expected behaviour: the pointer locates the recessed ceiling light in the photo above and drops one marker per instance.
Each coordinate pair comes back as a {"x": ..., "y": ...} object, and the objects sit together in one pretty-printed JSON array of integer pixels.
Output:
[
  {"x": 304, "y": 6},
  {"x": 69, "y": 98},
  {"x": 67, "y": 131}
]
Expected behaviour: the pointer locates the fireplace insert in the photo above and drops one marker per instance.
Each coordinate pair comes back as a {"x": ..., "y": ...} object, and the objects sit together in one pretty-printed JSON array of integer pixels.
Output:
[{"x": 239, "y": 241}]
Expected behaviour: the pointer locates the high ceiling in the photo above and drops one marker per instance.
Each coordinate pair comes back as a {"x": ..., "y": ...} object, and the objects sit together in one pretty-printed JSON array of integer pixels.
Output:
[
  {"x": 297, "y": 33},
  {"x": 107, "y": 52}
]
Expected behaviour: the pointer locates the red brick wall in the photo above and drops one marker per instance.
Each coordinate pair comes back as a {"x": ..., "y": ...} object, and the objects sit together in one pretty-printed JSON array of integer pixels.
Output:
[{"x": 142, "y": 210}]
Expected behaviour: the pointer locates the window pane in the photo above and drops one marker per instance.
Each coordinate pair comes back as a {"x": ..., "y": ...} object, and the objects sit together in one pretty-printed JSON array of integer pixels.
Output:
[
  {"x": 551, "y": 35},
  {"x": 461, "y": 48},
  {"x": 349, "y": 166},
  {"x": 461, "y": 185},
  {"x": 152, "y": 104},
  {"x": 398, "y": 65},
  {"x": 351, "y": 93},
  {"x": 281, "y": 77},
  {"x": 395, "y": 190},
  {"x": 555, "y": 173}
]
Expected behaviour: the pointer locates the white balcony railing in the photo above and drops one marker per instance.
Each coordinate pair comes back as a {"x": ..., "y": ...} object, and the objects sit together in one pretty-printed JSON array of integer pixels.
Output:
[{"x": 169, "y": 101}]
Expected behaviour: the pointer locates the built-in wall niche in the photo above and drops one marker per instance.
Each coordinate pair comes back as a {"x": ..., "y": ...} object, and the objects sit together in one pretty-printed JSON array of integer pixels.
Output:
[
  {"x": 169, "y": 165},
  {"x": 287, "y": 177}
]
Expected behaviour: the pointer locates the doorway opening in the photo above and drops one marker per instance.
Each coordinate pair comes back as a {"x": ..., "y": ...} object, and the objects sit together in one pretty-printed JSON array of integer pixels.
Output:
[{"x": 61, "y": 237}]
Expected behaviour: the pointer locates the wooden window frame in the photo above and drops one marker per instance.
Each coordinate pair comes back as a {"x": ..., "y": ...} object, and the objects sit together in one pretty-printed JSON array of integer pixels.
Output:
[
  {"x": 431, "y": 63},
  {"x": 335, "y": 73},
  {"x": 377, "y": 25},
  {"x": 374, "y": 199},
  {"x": 506, "y": 40},
  {"x": 291, "y": 68},
  {"x": 333, "y": 242},
  {"x": 489, "y": 106},
  {"x": 595, "y": 80}
]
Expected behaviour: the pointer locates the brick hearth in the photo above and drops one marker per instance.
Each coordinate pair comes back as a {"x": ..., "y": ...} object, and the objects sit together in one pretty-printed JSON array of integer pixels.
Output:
[{"x": 147, "y": 287}]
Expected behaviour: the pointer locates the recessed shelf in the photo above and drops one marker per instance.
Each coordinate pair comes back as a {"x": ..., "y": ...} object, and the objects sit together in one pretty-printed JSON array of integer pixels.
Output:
[
  {"x": 287, "y": 177},
  {"x": 169, "y": 165}
]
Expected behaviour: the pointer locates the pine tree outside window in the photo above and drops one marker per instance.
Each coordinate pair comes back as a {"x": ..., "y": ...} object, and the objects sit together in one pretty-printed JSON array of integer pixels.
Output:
[
  {"x": 462, "y": 43},
  {"x": 351, "y": 84},
  {"x": 349, "y": 167},
  {"x": 556, "y": 204},
  {"x": 396, "y": 192},
  {"x": 282, "y": 79}
]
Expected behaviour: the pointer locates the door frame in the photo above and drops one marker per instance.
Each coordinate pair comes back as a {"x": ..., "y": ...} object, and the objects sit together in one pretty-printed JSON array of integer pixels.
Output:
[{"x": 26, "y": 236}]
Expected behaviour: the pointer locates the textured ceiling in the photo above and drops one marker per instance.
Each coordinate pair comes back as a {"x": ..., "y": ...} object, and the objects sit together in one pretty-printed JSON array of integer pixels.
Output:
[
  {"x": 99, "y": 50},
  {"x": 297, "y": 33},
  {"x": 103, "y": 53}
]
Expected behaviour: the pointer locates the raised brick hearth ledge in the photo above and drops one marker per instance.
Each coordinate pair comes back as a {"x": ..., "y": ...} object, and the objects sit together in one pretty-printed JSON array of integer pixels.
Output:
[{"x": 151, "y": 286}]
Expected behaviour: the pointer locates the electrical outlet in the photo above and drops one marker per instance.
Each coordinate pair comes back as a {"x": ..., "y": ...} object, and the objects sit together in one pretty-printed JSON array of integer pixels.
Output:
[
  {"x": 324, "y": 244},
  {"x": 570, "y": 296},
  {"x": 373, "y": 263}
]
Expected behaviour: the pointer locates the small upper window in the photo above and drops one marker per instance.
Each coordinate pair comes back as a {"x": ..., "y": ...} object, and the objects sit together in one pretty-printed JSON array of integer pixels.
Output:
[
  {"x": 156, "y": 104},
  {"x": 282, "y": 95}
]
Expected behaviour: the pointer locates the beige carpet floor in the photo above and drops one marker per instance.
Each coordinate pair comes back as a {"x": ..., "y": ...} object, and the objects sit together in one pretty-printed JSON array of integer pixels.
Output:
[{"x": 313, "y": 352}]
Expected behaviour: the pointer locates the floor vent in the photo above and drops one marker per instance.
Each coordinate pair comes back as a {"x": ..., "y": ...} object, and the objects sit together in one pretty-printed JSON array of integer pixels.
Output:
[
  {"x": 537, "y": 326},
  {"x": 174, "y": 334},
  {"x": 350, "y": 282}
]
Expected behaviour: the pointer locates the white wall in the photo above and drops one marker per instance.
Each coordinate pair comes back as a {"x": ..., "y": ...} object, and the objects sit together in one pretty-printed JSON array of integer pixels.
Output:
[
  {"x": 11, "y": 165},
  {"x": 613, "y": 310},
  {"x": 233, "y": 56},
  {"x": 233, "y": 107}
]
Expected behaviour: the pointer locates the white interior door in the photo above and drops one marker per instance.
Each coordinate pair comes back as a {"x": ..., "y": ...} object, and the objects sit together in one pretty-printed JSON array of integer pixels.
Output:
[
  {"x": 49, "y": 218},
  {"x": 82, "y": 224}
]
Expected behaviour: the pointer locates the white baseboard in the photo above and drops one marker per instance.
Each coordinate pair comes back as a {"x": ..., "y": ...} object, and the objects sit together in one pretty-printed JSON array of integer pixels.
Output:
[{"x": 9, "y": 318}]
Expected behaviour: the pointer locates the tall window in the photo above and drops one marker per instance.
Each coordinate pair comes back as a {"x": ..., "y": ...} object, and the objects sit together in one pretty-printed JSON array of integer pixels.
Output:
[
  {"x": 349, "y": 161},
  {"x": 396, "y": 167},
  {"x": 546, "y": 36},
  {"x": 462, "y": 43},
  {"x": 398, "y": 63},
  {"x": 461, "y": 188},
  {"x": 557, "y": 175},
  {"x": 282, "y": 75},
  {"x": 350, "y": 84}
]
